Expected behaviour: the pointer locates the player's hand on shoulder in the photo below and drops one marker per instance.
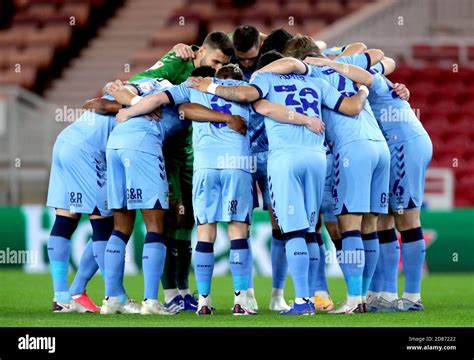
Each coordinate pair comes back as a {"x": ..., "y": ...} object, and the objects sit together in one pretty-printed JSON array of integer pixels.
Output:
[
  {"x": 237, "y": 123},
  {"x": 199, "y": 83},
  {"x": 115, "y": 86},
  {"x": 315, "y": 125},
  {"x": 183, "y": 51},
  {"x": 122, "y": 115},
  {"x": 317, "y": 61},
  {"x": 402, "y": 91}
]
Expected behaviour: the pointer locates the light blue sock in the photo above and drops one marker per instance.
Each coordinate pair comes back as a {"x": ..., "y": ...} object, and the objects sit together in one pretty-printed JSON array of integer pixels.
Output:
[
  {"x": 250, "y": 265},
  {"x": 204, "y": 266},
  {"x": 371, "y": 252},
  {"x": 377, "y": 283},
  {"x": 390, "y": 255},
  {"x": 153, "y": 262},
  {"x": 298, "y": 262},
  {"x": 313, "y": 252},
  {"x": 86, "y": 270},
  {"x": 59, "y": 251},
  {"x": 278, "y": 258},
  {"x": 353, "y": 260},
  {"x": 321, "y": 282},
  {"x": 114, "y": 262},
  {"x": 101, "y": 232},
  {"x": 413, "y": 257},
  {"x": 238, "y": 259}
]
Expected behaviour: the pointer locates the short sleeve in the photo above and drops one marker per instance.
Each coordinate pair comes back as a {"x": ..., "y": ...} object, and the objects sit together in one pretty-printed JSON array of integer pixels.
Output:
[
  {"x": 331, "y": 97},
  {"x": 360, "y": 60},
  {"x": 261, "y": 82},
  {"x": 178, "y": 94}
]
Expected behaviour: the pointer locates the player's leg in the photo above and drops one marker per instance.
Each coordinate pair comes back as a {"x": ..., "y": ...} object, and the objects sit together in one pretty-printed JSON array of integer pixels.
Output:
[
  {"x": 351, "y": 198},
  {"x": 371, "y": 252},
  {"x": 90, "y": 170},
  {"x": 322, "y": 299},
  {"x": 204, "y": 266},
  {"x": 116, "y": 299},
  {"x": 236, "y": 209},
  {"x": 279, "y": 265},
  {"x": 413, "y": 254},
  {"x": 408, "y": 192},
  {"x": 285, "y": 174},
  {"x": 92, "y": 259},
  {"x": 207, "y": 209},
  {"x": 65, "y": 224},
  {"x": 383, "y": 289},
  {"x": 183, "y": 239},
  {"x": 238, "y": 259},
  {"x": 154, "y": 254}
]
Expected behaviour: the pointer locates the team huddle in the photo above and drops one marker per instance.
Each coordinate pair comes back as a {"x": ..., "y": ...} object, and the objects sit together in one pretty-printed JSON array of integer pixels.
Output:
[{"x": 322, "y": 133}]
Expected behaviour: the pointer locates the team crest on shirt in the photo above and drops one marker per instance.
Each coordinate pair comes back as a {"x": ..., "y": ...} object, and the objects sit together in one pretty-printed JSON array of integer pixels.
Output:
[{"x": 157, "y": 65}]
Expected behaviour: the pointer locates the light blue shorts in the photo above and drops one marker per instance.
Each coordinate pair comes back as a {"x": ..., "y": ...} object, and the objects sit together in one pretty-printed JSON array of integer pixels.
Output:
[
  {"x": 137, "y": 180},
  {"x": 296, "y": 183},
  {"x": 361, "y": 171},
  {"x": 78, "y": 180},
  {"x": 409, "y": 161},
  {"x": 222, "y": 195},
  {"x": 260, "y": 178},
  {"x": 327, "y": 208}
]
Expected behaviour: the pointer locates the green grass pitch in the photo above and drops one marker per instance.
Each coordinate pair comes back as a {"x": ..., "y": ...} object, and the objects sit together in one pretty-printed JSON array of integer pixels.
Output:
[{"x": 26, "y": 301}]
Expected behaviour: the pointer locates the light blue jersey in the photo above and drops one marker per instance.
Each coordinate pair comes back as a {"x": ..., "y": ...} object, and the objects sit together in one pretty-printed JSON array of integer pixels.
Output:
[
  {"x": 410, "y": 146},
  {"x": 215, "y": 145},
  {"x": 395, "y": 116},
  {"x": 342, "y": 129},
  {"x": 90, "y": 131},
  {"x": 222, "y": 182},
  {"x": 301, "y": 93},
  {"x": 140, "y": 133},
  {"x": 296, "y": 161}
]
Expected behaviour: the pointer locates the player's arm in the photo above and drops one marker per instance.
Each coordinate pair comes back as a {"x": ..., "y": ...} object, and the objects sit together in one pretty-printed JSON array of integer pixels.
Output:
[
  {"x": 198, "y": 112},
  {"x": 355, "y": 73},
  {"x": 389, "y": 65},
  {"x": 354, "y": 48},
  {"x": 239, "y": 93},
  {"x": 375, "y": 56},
  {"x": 286, "y": 115},
  {"x": 122, "y": 93},
  {"x": 102, "y": 106},
  {"x": 286, "y": 65},
  {"x": 144, "y": 106},
  {"x": 183, "y": 51},
  {"x": 353, "y": 105}
]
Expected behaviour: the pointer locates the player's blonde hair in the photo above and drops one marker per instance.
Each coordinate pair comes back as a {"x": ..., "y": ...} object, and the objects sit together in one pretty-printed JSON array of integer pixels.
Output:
[{"x": 301, "y": 46}]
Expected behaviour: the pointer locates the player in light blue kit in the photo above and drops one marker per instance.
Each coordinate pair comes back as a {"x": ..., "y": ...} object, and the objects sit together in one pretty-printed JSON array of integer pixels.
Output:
[
  {"x": 360, "y": 171},
  {"x": 136, "y": 167},
  {"x": 222, "y": 188},
  {"x": 77, "y": 186},
  {"x": 411, "y": 151},
  {"x": 296, "y": 163}
]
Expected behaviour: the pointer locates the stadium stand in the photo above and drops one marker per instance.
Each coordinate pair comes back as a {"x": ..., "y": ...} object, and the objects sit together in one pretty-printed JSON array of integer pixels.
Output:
[{"x": 42, "y": 36}]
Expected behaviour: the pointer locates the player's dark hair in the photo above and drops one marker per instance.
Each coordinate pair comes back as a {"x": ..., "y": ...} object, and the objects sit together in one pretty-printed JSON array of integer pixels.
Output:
[
  {"x": 219, "y": 40},
  {"x": 245, "y": 37},
  {"x": 204, "y": 71},
  {"x": 268, "y": 58},
  {"x": 230, "y": 71},
  {"x": 302, "y": 46},
  {"x": 276, "y": 40}
]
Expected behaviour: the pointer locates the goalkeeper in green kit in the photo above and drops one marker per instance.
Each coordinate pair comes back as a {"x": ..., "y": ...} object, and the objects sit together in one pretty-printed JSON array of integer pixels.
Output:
[{"x": 215, "y": 51}]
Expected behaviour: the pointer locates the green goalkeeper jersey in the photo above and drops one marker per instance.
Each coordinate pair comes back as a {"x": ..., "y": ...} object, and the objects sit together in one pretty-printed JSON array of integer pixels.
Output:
[{"x": 169, "y": 67}]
